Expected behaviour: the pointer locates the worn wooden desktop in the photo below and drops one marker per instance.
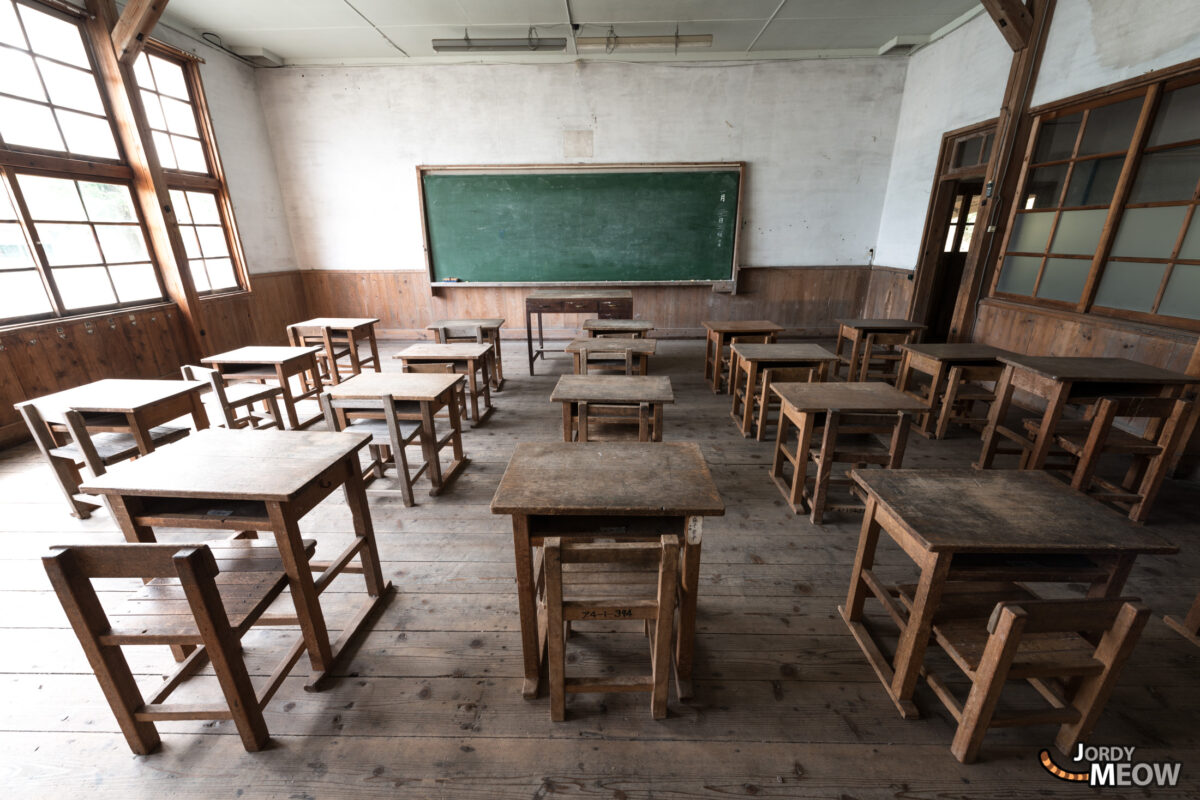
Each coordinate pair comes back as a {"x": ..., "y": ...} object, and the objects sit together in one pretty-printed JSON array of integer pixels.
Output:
[
  {"x": 334, "y": 332},
  {"x": 627, "y": 328},
  {"x": 936, "y": 361},
  {"x": 265, "y": 363},
  {"x": 800, "y": 406},
  {"x": 1061, "y": 381},
  {"x": 607, "y": 303},
  {"x": 642, "y": 350},
  {"x": 990, "y": 527},
  {"x": 638, "y": 397},
  {"x": 469, "y": 358},
  {"x": 490, "y": 327},
  {"x": 860, "y": 334},
  {"x": 428, "y": 393},
  {"x": 616, "y": 489},
  {"x": 717, "y": 336},
  {"x": 259, "y": 481},
  {"x": 127, "y": 405},
  {"x": 749, "y": 360}
]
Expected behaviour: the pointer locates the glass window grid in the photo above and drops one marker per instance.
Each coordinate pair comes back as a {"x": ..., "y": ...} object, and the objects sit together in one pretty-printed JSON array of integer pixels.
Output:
[
  {"x": 202, "y": 266},
  {"x": 148, "y": 84}
]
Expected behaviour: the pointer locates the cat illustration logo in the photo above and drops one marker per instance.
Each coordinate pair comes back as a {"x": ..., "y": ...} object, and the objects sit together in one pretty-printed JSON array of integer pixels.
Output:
[
  {"x": 1059, "y": 772},
  {"x": 1113, "y": 766}
]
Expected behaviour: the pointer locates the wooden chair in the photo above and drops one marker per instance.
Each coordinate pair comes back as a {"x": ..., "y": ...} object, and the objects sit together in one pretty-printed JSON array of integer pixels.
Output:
[
  {"x": 68, "y": 445},
  {"x": 619, "y": 422},
  {"x": 729, "y": 362},
  {"x": 1189, "y": 626},
  {"x": 766, "y": 399},
  {"x": 963, "y": 394},
  {"x": 880, "y": 359},
  {"x": 188, "y": 601},
  {"x": 606, "y": 361},
  {"x": 240, "y": 396},
  {"x": 334, "y": 347},
  {"x": 656, "y": 609},
  {"x": 852, "y": 439},
  {"x": 390, "y": 436},
  {"x": 439, "y": 368},
  {"x": 1084, "y": 642}
]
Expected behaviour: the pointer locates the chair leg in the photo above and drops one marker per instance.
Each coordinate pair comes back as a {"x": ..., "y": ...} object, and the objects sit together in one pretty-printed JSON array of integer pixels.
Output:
[
  {"x": 668, "y": 581},
  {"x": 986, "y": 686},
  {"x": 820, "y": 495},
  {"x": 555, "y": 646},
  {"x": 403, "y": 473},
  {"x": 272, "y": 405},
  {"x": 68, "y": 478}
]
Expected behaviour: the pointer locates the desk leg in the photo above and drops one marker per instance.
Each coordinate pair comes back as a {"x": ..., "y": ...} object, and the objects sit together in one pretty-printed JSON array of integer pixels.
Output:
[
  {"x": 473, "y": 389},
  {"x": 141, "y": 433},
  {"x": 355, "y": 364},
  {"x": 708, "y": 355},
  {"x": 864, "y": 561},
  {"x": 199, "y": 414},
  {"x": 568, "y": 420},
  {"x": 1118, "y": 573},
  {"x": 527, "y": 606},
  {"x": 748, "y": 401},
  {"x": 529, "y": 337},
  {"x": 991, "y": 432},
  {"x": 429, "y": 444},
  {"x": 689, "y": 594},
  {"x": 497, "y": 363},
  {"x": 910, "y": 651},
  {"x": 855, "y": 351},
  {"x": 658, "y": 422},
  {"x": 804, "y": 432},
  {"x": 360, "y": 512},
  {"x": 837, "y": 351},
  {"x": 374, "y": 348},
  {"x": 1036, "y": 458},
  {"x": 485, "y": 376},
  {"x": 289, "y": 404},
  {"x": 304, "y": 591}
]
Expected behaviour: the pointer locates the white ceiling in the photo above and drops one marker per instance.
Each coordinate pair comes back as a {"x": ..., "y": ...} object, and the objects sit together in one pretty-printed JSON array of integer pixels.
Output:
[{"x": 378, "y": 31}]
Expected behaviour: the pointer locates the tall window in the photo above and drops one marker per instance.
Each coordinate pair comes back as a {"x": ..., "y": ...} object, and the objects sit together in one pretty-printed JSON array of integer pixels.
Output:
[{"x": 1105, "y": 219}]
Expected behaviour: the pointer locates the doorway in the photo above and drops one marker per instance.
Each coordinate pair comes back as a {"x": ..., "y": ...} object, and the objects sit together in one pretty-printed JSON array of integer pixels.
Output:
[{"x": 952, "y": 257}]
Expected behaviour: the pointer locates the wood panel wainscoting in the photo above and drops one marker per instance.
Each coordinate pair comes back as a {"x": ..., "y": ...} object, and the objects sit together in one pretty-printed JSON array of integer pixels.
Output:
[
  {"x": 889, "y": 295},
  {"x": 805, "y": 300}
]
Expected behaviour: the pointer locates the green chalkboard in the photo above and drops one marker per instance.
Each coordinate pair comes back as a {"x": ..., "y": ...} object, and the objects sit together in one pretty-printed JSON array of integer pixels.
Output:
[{"x": 591, "y": 226}]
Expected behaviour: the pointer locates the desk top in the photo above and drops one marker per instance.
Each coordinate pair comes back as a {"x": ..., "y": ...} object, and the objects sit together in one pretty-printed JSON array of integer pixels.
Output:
[
  {"x": 613, "y": 389},
  {"x": 258, "y": 354},
  {"x": 419, "y": 386},
  {"x": 959, "y": 352},
  {"x": 230, "y": 465},
  {"x": 639, "y": 479},
  {"x": 1003, "y": 511},
  {"x": 742, "y": 326},
  {"x": 784, "y": 351},
  {"x": 617, "y": 325},
  {"x": 869, "y": 396},
  {"x": 580, "y": 294},
  {"x": 112, "y": 396},
  {"x": 1100, "y": 370},
  {"x": 337, "y": 323},
  {"x": 881, "y": 324},
  {"x": 433, "y": 351},
  {"x": 640, "y": 347},
  {"x": 482, "y": 322}
]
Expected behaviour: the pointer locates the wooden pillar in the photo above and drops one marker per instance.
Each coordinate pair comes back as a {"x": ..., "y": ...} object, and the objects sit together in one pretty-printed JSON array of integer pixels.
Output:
[{"x": 1012, "y": 138}]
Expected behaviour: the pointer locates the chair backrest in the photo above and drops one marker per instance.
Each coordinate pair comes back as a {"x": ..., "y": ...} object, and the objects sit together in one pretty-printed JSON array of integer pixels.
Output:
[
  {"x": 976, "y": 373},
  {"x": 587, "y": 357},
  {"x": 1091, "y": 616},
  {"x": 39, "y": 429},
  {"x": 461, "y": 333},
  {"x": 429, "y": 367},
  {"x": 1169, "y": 412},
  {"x": 789, "y": 375},
  {"x": 766, "y": 338}
]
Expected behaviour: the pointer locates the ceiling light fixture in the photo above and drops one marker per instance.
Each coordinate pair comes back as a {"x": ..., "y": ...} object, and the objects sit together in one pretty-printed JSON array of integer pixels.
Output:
[
  {"x": 532, "y": 42},
  {"x": 612, "y": 42}
]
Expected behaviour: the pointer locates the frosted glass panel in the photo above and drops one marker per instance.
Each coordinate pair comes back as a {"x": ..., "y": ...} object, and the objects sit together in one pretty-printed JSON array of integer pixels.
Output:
[
  {"x": 1043, "y": 187},
  {"x": 1170, "y": 175},
  {"x": 1131, "y": 285},
  {"x": 1030, "y": 232},
  {"x": 1149, "y": 232},
  {"x": 1191, "y": 242},
  {"x": 1078, "y": 232},
  {"x": 1056, "y": 139},
  {"x": 1093, "y": 182},
  {"x": 1178, "y": 117},
  {"x": 1019, "y": 274},
  {"x": 84, "y": 287},
  {"x": 1064, "y": 279},
  {"x": 1110, "y": 128},
  {"x": 1182, "y": 298}
]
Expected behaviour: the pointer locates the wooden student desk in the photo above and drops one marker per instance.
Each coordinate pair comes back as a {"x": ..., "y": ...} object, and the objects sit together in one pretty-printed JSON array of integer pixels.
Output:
[
  {"x": 861, "y": 334},
  {"x": 936, "y": 361},
  {"x": 627, "y": 328},
  {"x": 624, "y": 489},
  {"x": 749, "y": 360},
  {"x": 978, "y": 526},
  {"x": 1062, "y": 381},
  {"x": 259, "y": 481},
  {"x": 642, "y": 350},
  {"x": 637, "y": 398},
  {"x": 126, "y": 405},
  {"x": 488, "y": 326},
  {"x": 469, "y": 358},
  {"x": 607, "y": 303},
  {"x": 334, "y": 332},
  {"x": 261, "y": 364},
  {"x": 428, "y": 393},
  {"x": 717, "y": 336}
]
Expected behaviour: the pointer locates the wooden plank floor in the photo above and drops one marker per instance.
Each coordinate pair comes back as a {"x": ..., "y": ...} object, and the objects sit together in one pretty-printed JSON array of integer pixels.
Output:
[{"x": 430, "y": 706}]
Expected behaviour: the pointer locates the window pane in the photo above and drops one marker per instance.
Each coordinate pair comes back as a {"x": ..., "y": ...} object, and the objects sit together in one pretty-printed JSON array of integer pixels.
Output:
[
  {"x": 179, "y": 117},
  {"x": 51, "y": 198},
  {"x": 14, "y": 252},
  {"x": 1167, "y": 175},
  {"x": 189, "y": 154},
  {"x": 220, "y": 273},
  {"x": 70, "y": 87},
  {"x": 1030, "y": 232},
  {"x": 968, "y": 152},
  {"x": 141, "y": 72},
  {"x": 1130, "y": 285},
  {"x": 204, "y": 208},
  {"x": 10, "y": 29},
  {"x": 1110, "y": 128},
  {"x": 162, "y": 146},
  {"x": 190, "y": 243},
  {"x": 199, "y": 276},
  {"x": 7, "y": 211},
  {"x": 135, "y": 282},
  {"x": 84, "y": 287},
  {"x": 86, "y": 135},
  {"x": 1178, "y": 117},
  {"x": 28, "y": 125},
  {"x": 1078, "y": 232},
  {"x": 1044, "y": 186},
  {"x": 54, "y": 37},
  {"x": 1191, "y": 242},
  {"x": 19, "y": 76},
  {"x": 154, "y": 115},
  {"x": 1019, "y": 274},
  {"x": 121, "y": 243},
  {"x": 1056, "y": 139},
  {"x": 1149, "y": 232},
  {"x": 107, "y": 202},
  {"x": 1063, "y": 279},
  {"x": 22, "y": 294},
  {"x": 66, "y": 245},
  {"x": 179, "y": 204},
  {"x": 212, "y": 241},
  {"x": 1182, "y": 297},
  {"x": 1094, "y": 182},
  {"x": 168, "y": 77}
]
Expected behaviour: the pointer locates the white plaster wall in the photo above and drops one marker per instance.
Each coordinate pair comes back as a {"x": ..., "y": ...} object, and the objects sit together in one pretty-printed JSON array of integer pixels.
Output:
[
  {"x": 817, "y": 136},
  {"x": 954, "y": 82},
  {"x": 1093, "y": 43},
  {"x": 246, "y": 154}
]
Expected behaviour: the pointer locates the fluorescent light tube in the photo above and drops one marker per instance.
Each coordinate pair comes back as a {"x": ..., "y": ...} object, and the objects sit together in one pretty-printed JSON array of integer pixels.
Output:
[
  {"x": 498, "y": 45},
  {"x": 668, "y": 42}
]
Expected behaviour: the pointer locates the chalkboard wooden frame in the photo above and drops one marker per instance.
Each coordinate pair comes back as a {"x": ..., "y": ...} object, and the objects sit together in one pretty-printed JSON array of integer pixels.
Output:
[{"x": 527, "y": 169}]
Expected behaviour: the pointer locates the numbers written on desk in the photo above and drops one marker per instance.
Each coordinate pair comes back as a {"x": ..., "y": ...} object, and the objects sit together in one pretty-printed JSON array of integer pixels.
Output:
[{"x": 607, "y": 613}]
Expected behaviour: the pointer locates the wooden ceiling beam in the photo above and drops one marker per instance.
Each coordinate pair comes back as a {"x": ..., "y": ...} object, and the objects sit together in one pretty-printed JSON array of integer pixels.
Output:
[
  {"x": 1012, "y": 18},
  {"x": 133, "y": 27}
]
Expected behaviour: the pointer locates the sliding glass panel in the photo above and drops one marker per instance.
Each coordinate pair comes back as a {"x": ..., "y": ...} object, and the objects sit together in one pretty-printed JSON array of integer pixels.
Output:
[
  {"x": 1019, "y": 274},
  {"x": 1056, "y": 139},
  {"x": 1191, "y": 242},
  {"x": 1182, "y": 297},
  {"x": 1030, "y": 232},
  {"x": 1064, "y": 278},
  {"x": 1130, "y": 285},
  {"x": 1110, "y": 128},
  {"x": 1078, "y": 232},
  {"x": 1094, "y": 182},
  {"x": 1178, "y": 117},
  {"x": 1043, "y": 187},
  {"x": 1149, "y": 232},
  {"x": 1167, "y": 176}
]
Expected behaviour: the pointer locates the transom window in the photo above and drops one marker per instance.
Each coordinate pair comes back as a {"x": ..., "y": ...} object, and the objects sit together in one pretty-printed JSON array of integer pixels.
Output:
[{"x": 170, "y": 113}]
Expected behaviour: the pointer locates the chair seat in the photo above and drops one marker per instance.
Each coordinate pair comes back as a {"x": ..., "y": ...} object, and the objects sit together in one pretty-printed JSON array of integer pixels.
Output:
[
  {"x": 858, "y": 446},
  {"x": 1039, "y": 654},
  {"x": 114, "y": 447},
  {"x": 1071, "y": 435},
  {"x": 379, "y": 430},
  {"x": 244, "y": 393}
]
